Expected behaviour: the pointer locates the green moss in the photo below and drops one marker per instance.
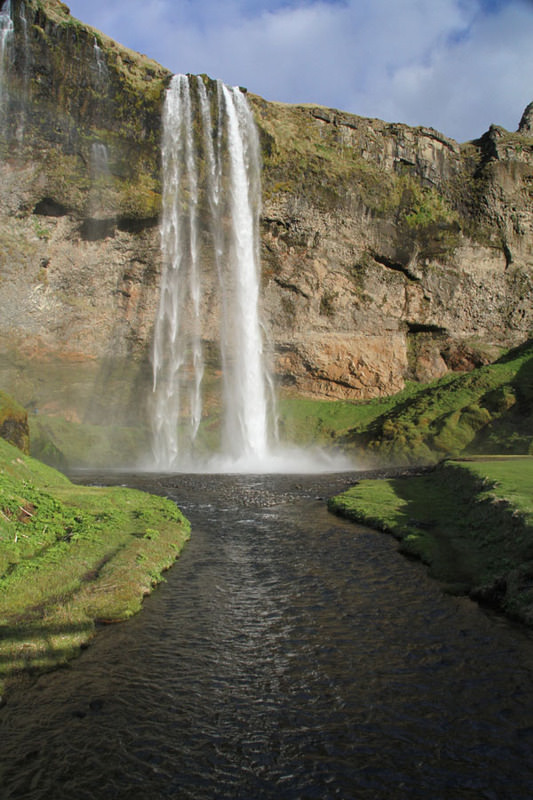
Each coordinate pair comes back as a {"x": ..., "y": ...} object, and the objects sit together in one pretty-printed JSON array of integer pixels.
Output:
[
  {"x": 140, "y": 197},
  {"x": 14, "y": 423},
  {"x": 471, "y": 412},
  {"x": 70, "y": 556}
]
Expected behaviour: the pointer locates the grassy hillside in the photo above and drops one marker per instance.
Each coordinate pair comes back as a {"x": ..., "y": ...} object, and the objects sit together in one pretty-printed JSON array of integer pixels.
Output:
[
  {"x": 471, "y": 522},
  {"x": 488, "y": 410},
  {"x": 71, "y": 556}
]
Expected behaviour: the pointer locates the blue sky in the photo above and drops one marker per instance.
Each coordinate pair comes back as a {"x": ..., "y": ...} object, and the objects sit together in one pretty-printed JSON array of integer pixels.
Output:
[{"x": 454, "y": 65}]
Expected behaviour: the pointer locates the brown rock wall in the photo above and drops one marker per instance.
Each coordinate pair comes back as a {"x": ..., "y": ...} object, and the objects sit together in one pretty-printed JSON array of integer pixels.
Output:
[{"x": 388, "y": 252}]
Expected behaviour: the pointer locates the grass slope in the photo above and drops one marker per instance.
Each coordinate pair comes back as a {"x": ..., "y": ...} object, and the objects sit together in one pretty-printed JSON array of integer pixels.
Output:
[
  {"x": 64, "y": 444},
  {"x": 308, "y": 421},
  {"x": 488, "y": 410},
  {"x": 71, "y": 556},
  {"x": 470, "y": 521}
]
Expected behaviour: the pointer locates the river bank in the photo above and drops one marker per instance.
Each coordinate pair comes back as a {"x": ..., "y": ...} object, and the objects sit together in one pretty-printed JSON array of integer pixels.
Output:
[
  {"x": 74, "y": 557},
  {"x": 470, "y": 521},
  {"x": 290, "y": 653},
  {"x": 71, "y": 558}
]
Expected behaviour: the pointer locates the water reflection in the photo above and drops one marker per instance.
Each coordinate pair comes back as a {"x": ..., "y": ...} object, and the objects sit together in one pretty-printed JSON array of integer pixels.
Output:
[{"x": 290, "y": 655}]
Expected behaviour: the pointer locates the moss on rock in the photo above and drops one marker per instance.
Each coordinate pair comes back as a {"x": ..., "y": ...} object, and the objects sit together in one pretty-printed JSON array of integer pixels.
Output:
[{"x": 14, "y": 423}]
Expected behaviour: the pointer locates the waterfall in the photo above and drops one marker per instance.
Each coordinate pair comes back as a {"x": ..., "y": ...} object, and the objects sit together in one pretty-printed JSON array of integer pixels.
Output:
[
  {"x": 21, "y": 121},
  {"x": 14, "y": 48},
  {"x": 99, "y": 210},
  {"x": 7, "y": 30},
  {"x": 99, "y": 160},
  {"x": 210, "y": 292},
  {"x": 102, "y": 74},
  {"x": 210, "y": 249},
  {"x": 100, "y": 181},
  {"x": 246, "y": 419}
]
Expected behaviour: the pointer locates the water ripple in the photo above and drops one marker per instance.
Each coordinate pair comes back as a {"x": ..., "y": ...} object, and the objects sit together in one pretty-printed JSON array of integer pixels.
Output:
[{"x": 289, "y": 655}]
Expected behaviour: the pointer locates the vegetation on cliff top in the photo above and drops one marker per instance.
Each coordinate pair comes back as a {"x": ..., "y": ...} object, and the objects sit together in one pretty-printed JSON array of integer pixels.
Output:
[
  {"x": 76, "y": 89},
  {"x": 303, "y": 144},
  {"x": 471, "y": 522},
  {"x": 73, "y": 556}
]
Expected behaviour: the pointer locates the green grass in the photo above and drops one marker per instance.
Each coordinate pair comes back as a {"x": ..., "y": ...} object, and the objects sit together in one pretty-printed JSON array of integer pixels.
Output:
[
  {"x": 484, "y": 411},
  {"x": 71, "y": 556},
  {"x": 470, "y": 521},
  {"x": 305, "y": 420},
  {"x": 510, "y": 479}
]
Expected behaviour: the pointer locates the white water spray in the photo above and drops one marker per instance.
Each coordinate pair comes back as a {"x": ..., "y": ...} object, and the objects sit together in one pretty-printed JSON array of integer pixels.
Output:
[{"x": 102, "y": 74}]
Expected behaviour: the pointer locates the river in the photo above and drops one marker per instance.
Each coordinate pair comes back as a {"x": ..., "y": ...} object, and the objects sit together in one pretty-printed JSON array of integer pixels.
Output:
[{"x": 289, "y": 654}]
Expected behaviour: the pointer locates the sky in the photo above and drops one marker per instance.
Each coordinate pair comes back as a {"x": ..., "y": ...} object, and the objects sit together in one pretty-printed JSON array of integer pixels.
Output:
[{"x": 454, "y": 65}]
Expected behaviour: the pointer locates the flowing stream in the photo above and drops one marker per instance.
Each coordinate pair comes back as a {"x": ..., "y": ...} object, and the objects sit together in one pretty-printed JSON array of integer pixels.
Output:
[{"x": 290, "y": 654}]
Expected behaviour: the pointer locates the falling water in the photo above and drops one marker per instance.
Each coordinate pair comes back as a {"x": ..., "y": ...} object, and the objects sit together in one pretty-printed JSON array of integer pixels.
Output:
[
  {"x": 100, "y": 180},
  {"x": 210, "y": 292},
  {"x": 246, "y": 399},
  {"x": 100, "y": 210},
  {"x": 25, "y": 59},
  {"x": 211, "y": 173},
  {"x": 99, "y": 159},
  {"x": 6, "y": 38},
  {"x": 101, "y": 66}
]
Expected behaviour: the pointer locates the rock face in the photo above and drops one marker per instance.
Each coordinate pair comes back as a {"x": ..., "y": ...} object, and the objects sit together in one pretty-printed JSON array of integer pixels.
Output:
[
  {"x": 80, "y": 202},
  {"x": 389, "y": 252}
]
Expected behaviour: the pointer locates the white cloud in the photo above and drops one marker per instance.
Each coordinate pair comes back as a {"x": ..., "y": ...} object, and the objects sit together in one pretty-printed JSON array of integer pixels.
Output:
[
  {"x": 445, "y": 63},
  {"x": 484, "y": 78}
]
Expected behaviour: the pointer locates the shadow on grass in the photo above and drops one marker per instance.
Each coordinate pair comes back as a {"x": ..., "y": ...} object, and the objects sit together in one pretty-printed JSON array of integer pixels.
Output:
[
  {"x": 33, "y": 647},
  {"x": 472, "y": 538}
]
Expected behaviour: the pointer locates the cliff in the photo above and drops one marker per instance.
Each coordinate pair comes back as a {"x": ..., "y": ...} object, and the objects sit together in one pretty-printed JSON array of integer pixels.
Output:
[
  {"x": 80, "y": 198},
  {"x": 389, "y": 253}
]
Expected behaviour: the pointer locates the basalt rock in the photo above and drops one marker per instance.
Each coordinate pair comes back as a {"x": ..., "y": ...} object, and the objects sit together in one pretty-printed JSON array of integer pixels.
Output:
[{"x": 389, "y": 252}]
